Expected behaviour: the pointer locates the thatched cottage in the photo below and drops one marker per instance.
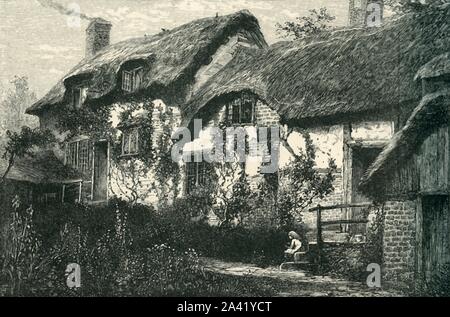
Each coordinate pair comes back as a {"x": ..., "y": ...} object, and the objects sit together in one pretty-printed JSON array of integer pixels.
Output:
[
  {"x": 410, "y": 178},
  {"x": 350, "y": 89},
  {"x": 163, "y": 70}
]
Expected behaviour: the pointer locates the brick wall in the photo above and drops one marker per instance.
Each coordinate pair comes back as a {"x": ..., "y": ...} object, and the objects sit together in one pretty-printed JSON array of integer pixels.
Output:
[
  {"x": 399, "y": 241},
  {"x": 265, "y": 116}
]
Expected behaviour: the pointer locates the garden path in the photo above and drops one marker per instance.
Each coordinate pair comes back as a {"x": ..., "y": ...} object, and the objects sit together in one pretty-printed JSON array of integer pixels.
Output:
[{"x": 300, "y": 282}]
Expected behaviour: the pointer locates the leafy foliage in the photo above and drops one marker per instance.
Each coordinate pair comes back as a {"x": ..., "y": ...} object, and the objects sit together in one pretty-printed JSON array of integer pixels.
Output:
[
  {"x": 133, "y": 251},
  {"x": 231, "y": 193},
  {"x": 21, "y": 144},
  {"x": 305, "y": 183},
  {"x": 130, "y": 173},
  {"x": 373, "y": 249},
  {"x": 14, "y": 104},
  {"x": 317, "y": 22},
  {"x": 166, "y": 170},
  {"x": 22, "y": 264}
]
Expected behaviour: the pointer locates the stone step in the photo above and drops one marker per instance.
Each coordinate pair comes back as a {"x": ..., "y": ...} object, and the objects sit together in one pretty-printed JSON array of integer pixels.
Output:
[{"x": 297, "y": 266}]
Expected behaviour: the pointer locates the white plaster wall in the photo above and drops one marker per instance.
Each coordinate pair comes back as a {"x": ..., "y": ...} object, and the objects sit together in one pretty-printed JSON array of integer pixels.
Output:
[
  {"x": 372, "y": 130},
  {"x": 118, "y": 186},
  {"x": 327, "y": 140}
]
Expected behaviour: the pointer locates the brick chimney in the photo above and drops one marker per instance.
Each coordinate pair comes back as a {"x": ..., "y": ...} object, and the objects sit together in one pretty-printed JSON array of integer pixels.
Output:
[
  {"x": 357, "y": 12},
  {"x": 365, "y": 13},
  {"x": 97, "y": 36}
]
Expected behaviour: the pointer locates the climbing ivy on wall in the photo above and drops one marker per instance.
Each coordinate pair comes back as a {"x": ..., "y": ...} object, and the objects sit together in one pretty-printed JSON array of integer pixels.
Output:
[{"x": 148, "y": 171}]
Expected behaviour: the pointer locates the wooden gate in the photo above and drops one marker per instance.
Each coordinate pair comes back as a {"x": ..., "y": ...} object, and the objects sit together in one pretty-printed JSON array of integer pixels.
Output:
[{"x": 436, "y": 236}]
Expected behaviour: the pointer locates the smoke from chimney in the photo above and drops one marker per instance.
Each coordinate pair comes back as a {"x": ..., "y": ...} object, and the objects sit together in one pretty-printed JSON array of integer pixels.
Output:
[
  {"x": 97, "y": 32},
  {"x": 63, "y": 10}
]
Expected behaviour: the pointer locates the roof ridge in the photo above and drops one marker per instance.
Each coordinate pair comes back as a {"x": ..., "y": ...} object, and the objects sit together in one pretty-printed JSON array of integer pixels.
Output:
[{"x": 181, "y": 49}]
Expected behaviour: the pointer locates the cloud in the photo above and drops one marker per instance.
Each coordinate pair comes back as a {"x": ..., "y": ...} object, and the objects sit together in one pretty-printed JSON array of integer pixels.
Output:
[
  {"x": 73, "y": 11},
  {"x": 46, "y": 56},
  {"x": 56, "y": 49},
  {"x": 118, "y": 14},
  {"x": 55, "y": 71}
]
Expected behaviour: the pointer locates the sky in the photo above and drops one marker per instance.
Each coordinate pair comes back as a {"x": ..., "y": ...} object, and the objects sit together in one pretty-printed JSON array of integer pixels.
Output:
[{"x": 40, "y": 42}]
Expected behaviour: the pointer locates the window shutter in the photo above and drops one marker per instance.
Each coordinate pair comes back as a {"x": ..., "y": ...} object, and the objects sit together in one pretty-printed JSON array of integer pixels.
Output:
[
  {"x": 76, "y": 98},
  {"x": 126, "y": 143},
  {"x": 133, "y": 141},
  {"x": 137, "y": 80},
  {"x": 235, "y": 112}
]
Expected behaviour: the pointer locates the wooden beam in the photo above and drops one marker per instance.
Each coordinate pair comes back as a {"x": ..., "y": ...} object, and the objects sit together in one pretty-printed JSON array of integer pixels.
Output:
[
  {"x": 367, "y": 143},
  {"x": 339, "y": 206},
  {"x": 434, "y": 193},
  {"x": 80, "y": 189},
  {"x": 419, "y": 241},
  {"x": 341, "y": 222},
  {"x": 72, "y": 181},
  {"x": 347, "y": 169},
  {"x": 93, "y": 171},
  {"x": 108, "y": 166}
]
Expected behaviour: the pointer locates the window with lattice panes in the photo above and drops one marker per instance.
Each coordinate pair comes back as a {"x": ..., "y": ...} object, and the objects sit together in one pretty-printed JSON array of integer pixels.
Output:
[
  {"x": 79, "y": 155},
  {"x": 130, "y": 141},
  {"x": 242, "y": 110},
  {"x": 196, "y": 173},
  {"x": 84, "y": 156},
  {"x": 132, "y": 79}
]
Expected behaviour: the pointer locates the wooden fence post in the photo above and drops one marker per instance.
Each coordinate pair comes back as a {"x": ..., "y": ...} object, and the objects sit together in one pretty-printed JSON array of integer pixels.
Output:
[{"x": 319, "y": 236}]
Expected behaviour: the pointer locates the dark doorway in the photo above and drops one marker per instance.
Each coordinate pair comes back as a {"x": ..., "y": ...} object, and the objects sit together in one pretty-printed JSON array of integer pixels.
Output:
[
  {"x": 362, "y": 158},
  {"x": 435, "y": 236},
  {"x": 100, "y": 186}
]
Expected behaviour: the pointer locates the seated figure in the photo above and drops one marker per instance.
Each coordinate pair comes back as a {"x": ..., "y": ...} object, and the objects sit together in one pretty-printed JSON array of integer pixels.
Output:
[{"x": 295, "y": 244}]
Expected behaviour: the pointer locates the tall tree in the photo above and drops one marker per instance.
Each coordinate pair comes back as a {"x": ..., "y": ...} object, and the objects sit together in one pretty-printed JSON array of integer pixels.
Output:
[
  {"x": 315, "y": 23},
  {"x": 21, "y": 144},
  {"x": 16, "y": 99}
]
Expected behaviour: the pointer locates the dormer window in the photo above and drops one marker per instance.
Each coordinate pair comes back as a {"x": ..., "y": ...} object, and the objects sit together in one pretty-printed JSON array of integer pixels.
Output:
[
  {"x": 130, "y": 141},
  {"x": 132, "y": 79},
  {"x": 79, "y": 96}
]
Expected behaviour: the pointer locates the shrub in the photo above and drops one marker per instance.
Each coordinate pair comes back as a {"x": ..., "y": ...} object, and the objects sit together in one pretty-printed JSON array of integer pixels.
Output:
[
  {"x": 22, "y": 264},
  {"x": 135, "y": 251},
  {"x": 344, "y": 260},
  {"x": 351, "y": 260}
]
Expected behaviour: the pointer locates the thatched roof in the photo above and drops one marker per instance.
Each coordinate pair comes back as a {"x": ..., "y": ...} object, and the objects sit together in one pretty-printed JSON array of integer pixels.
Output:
[
  {"x": 430, "y": 114},
  {"x": 42, "y": 167},
  {"x": 438, "y": 66},
  {"x": 173, "y": 57},
  {"x": 349, "y": 71}
]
